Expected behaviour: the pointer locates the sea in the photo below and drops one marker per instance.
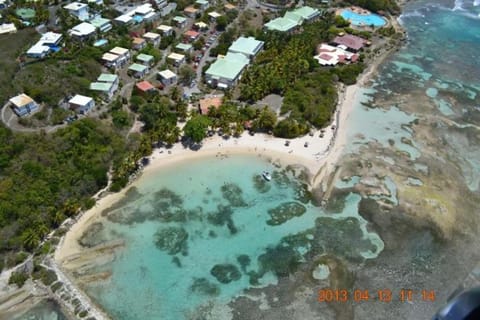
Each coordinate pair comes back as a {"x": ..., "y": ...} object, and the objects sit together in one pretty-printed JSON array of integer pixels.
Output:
[{"x": 211, "y": 239}]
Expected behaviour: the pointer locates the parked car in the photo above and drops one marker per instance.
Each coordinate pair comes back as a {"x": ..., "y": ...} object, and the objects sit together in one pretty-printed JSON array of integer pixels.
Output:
[{"x": 306, "y": 144}]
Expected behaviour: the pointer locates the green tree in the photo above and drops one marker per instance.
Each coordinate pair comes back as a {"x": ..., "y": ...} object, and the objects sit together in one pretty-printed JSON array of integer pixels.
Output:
[
  {"x": 196, "y": 128},
  {"x": 221, "y": 23},
  {"x": 186, "y": 74},
  {"x": 266, "y": 120}
]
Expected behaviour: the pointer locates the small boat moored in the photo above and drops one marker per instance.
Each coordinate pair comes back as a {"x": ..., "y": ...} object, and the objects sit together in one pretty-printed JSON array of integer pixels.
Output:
[{"x": 266, "y": 175}]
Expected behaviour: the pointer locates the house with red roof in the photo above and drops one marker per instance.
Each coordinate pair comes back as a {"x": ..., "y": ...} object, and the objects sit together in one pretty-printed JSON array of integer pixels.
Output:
[
  {"x": 144, "y": 87},
  {"x": 191, "y": 35},
  {"x": 351, "y": 42}
]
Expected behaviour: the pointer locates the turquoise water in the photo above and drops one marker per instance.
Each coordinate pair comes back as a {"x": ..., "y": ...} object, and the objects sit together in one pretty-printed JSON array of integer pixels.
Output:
[
  {"x": 363, "y": 20},
  {"x": 149, "y": 281},
  {"x": 45, "y": 310}
]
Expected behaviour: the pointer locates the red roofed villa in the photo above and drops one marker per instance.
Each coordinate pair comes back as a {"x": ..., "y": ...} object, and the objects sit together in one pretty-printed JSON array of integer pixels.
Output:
[
  {"x": 191, "y": 35},
  {"x": 144, "y": 87},
  {"x": 351, "y": 42}
]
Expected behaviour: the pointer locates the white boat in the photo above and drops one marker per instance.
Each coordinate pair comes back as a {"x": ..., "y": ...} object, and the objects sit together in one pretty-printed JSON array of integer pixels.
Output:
[{"x": 266, "y": 175}]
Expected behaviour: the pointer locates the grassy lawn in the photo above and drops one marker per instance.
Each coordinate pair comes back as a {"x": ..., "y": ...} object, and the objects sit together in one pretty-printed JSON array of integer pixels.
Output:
[{"x": 10, "y": 48}]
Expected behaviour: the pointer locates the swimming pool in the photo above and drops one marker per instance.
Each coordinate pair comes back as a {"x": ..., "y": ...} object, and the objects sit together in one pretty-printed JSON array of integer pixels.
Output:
[{"x": 363, "y": 20}]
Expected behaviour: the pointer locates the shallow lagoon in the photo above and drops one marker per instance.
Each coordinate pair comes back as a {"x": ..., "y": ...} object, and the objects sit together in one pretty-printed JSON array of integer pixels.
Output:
[{"x": 226, "y": 230}]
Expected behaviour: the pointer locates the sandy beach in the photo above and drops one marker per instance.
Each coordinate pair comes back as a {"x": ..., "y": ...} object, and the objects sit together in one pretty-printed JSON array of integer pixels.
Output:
[{"x": 320, "y": 151}]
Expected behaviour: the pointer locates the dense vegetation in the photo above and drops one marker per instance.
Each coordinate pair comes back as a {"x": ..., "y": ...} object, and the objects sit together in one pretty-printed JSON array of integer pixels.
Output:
[
  {"x": 286, "y": 67},
  {"x": 46, "y": 178}
]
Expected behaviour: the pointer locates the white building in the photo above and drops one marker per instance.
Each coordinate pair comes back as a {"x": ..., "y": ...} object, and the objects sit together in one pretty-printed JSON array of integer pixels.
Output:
[
  {"x": 152, "y": 38},
  {"x": 82, "y": 31},
  {"x": 176, "y": 58},
  {"x": 81, "y": 104},
  {"x": 165, "y": 30},
  {"x": 47, "y": 43},
  {"x": 167, "y": 77},
  {"x": 7, "y": 28},
  {"x": 77, "y": 9},
  {"x": 23, "y": 105}
]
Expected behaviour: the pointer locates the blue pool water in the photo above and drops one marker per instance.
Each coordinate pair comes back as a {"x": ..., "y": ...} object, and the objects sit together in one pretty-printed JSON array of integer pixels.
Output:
[
  {"x": 363, "y": 20},
  {"x": 100, "y": 43}
]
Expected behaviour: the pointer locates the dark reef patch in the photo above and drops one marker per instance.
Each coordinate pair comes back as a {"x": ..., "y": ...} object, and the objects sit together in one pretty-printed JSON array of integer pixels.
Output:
[
  {"x": 93, "y": 236},
  {"x": 173, "y": 240},
  {"x": 223, "y": 216},
  {"x": 225, "y": 273},
  {"x": 233, "y": 194},
  {"x": 285, "y": 212},
  {"x": 203, "y": 286},
  {"x": 261, "y": 186}
]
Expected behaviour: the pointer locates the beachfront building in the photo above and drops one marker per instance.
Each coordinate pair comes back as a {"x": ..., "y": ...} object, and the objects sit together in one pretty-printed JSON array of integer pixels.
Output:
[
  {"x": 138, "y": 43},
  {"x": 106, "y": 85},
  {"x": 145, "y": 59},
  {"x": 48, "y": 42},
  {"x": 102, "y": 24},
  {"x": 82, "y": 31},
  {"x": 144, "y": 87},
  {"x": 184, "y": 48},
  {"x": 81, "y": 104},
  {"x": 7, "y": 28},
  {"x": 209, "y": 102},
  {"x": 23, "y": 105},
  {"x": 137, "y": 70},
  {"x": 293, "y": 19},
  {"x": 191, "y": 12},
  {"x": 78, "y": 10},
  {"x": 180, "y": 22},
  {"x": 349, "y": 42},
  {"x": 330, "y": 56},
  {"x": 249, "y": 47},
  {"x": 226, "y": 70},
  {"x": 152, "y": 38},
  {"x": 191, "y": 35},
  {"x": 167, "y": 77},
  {"x": 165, "y": 30},
  {"x": 202, "y": 4},
  {"x": 176, "y": 58}
]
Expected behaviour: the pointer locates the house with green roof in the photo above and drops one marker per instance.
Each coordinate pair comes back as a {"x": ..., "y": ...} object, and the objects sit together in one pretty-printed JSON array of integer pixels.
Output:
[
  {"x": 183, "y": 47},
  {"x": 137, "y": 70},
  {"x": 281, "y": 24},
  {"x": 102, "y": 24},
  {"x": 145, "y": 59},
  {"x": 106, "y": 85},
  {"x": 226, "y": 70},
  {"x": 307, "y": 13},
  {"x": 293, "y": 19},
  {"x": 202, "y": 4},
  {"x": 249, "y": 47},
  {"x": 180, "y": 21}
]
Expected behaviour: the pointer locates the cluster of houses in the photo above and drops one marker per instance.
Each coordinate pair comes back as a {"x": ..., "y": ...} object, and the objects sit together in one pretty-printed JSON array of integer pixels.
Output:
[
  {"x": 226, "y": 70},
  {"x": 292, "y": 20},
  {"x": 343, "y": 49},
  {"x": 141, "y": 13}
]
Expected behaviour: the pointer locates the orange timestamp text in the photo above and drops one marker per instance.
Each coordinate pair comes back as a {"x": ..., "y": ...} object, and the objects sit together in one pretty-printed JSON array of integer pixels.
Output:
[{"x": 381, "y": 295}]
